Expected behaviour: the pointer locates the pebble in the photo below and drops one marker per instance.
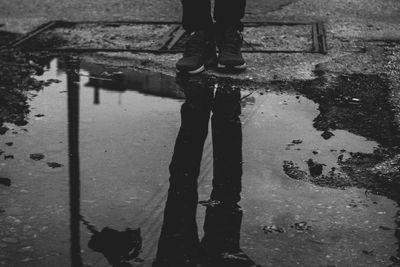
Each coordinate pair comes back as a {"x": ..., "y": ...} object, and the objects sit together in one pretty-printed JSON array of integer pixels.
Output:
[
  {"x": 54, "y": 165},
  {"x": 43, "y": 228},
  {"x": 26, "y": 228},
  {"x": 26, "y": 249},
  {"x": 37, "y": 156},
  {"x": 10, "y": 240},
  {"x": 12, "y": 220}
]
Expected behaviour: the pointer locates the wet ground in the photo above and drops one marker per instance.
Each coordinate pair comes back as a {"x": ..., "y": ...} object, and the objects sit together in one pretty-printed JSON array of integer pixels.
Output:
[
  {"x": 86, "y": 142},
  {"x": 320, "y": 165}
]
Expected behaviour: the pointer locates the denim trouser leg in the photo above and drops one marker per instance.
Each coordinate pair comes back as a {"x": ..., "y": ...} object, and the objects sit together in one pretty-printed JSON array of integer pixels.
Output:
[{"x": 197, "y": 14}]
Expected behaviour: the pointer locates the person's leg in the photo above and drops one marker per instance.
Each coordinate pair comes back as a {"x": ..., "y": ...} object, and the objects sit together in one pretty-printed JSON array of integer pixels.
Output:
[
  {"x": 179, "y": 243},
  {"x": 196, "y": 15},
  {"x": 222, "y": 224},
  {"x": 200, "y": 47},
  {"x": 221, "y": 241},
  {"x": 228, "y": 15}
]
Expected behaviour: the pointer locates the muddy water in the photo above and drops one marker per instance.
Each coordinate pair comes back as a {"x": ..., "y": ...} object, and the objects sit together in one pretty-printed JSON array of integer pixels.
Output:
[{"x": 107, "y": 138}]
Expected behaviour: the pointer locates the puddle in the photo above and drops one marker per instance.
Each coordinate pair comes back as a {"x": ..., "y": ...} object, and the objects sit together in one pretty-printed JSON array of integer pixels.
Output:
[{"x": 98, "y": 143}]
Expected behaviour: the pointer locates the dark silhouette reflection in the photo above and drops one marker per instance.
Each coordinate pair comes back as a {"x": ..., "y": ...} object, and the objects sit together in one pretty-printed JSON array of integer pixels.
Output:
[
  {"x": 73, "y": 149},
  {"x": 179, "y": 244},
  {"x": 118, "y": 247}
]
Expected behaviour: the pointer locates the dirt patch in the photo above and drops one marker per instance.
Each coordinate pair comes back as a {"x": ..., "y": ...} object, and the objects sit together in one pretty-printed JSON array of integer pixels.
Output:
[
  {"x": 109, "y": 35},
  {"x": 16, "y": 70},
  {"x": 6, "y": 37},
  {"x": 359, "y": 104}
]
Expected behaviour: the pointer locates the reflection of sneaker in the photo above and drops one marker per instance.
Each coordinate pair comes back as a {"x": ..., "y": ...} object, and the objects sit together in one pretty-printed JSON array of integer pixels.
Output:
[
  {"x": 229, "y": 42},
  {"x": 231, "y": 259},
  {"x": 183, "y": 263},
  {"x": 199, "y": 53}
]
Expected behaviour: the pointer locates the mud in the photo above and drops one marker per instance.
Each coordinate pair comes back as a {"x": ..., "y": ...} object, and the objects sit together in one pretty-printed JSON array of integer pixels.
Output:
[
  {"x": 359, "y": 104},
  {"x": 6, "y": 37},
  {"x": 17, "y": 85}
]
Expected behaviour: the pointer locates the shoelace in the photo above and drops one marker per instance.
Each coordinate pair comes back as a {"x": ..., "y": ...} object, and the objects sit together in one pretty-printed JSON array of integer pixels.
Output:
[
  {"x": 195, "y": 44},
  {"x": 233, "y": 41}
]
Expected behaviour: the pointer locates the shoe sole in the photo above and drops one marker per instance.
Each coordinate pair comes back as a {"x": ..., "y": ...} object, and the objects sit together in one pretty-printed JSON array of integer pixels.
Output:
[
  {"x": 239, "y": 67},
  {"x": 211, "y": 62},
  {"x": 201, "y": 69}
]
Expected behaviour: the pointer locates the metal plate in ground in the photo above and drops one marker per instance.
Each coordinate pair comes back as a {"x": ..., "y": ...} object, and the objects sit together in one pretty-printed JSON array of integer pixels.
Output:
[
  {"x": 168, "y": 37},
  {"x": 107, "y": 36},
  {"x": 278, "y": 38}
]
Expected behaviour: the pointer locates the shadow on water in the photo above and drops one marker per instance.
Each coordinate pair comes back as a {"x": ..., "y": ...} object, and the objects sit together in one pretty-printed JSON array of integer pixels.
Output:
[{"x": 118, "y": 247}]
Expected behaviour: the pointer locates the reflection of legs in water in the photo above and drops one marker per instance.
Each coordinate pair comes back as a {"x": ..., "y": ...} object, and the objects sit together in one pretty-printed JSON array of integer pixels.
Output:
[
  {"x": 221, "y": 241},
  {"x": 227, "y": 145},
  {"x": 179, "y": 242}
]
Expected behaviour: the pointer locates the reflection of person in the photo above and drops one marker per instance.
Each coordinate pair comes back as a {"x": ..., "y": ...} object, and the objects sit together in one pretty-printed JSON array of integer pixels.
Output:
[
  {"x": 179, "y": 243},
  {"x": 200, "y": 49}
]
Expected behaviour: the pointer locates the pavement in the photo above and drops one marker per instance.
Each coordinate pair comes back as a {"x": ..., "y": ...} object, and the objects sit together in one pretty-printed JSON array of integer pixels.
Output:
[{"x": 320, "y": 139}]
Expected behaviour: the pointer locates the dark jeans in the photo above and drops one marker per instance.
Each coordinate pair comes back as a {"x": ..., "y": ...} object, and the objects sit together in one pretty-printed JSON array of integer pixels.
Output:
[{"x": 227, "y": 13}]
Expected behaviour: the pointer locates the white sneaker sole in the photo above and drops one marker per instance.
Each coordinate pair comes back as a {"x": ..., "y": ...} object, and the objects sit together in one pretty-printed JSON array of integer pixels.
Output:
[
  {"x": 201, "y": 69},
  {"x": 239, "y": 67}
]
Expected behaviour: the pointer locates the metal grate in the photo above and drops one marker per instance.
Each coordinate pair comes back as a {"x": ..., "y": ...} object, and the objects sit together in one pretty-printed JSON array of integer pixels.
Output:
[{"x": 172, "y": 40}]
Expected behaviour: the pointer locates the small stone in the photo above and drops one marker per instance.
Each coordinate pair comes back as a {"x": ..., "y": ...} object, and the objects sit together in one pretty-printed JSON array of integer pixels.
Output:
[
  {"x": 54, "y": 165},
  {"x": 327, "y": 135},
  {"x": 9, "y": 143},
  {"x": 368, "y": 252},
  {"x": 302, "y": 226},
  {"x": 39, "y": 115},
  {"x": 272, "y": 229},
  {"x": 43, "y": 228},
  {"x": 26, "y": 249},
  {"x": 26, "y": 228},
  {"x": 10, "y": 240},
  {"x": 12, "y": 220},
  {"x": 37, "y": 156},
  {"x": 8, "y": 156}
]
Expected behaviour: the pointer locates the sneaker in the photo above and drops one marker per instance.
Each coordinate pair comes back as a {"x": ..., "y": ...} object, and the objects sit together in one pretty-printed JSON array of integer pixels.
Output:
[
  {"x": 199, "y": 53},
  {"x": 229, "y": 42}
]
